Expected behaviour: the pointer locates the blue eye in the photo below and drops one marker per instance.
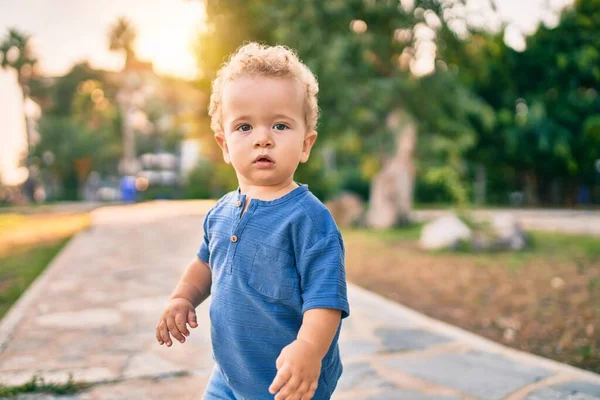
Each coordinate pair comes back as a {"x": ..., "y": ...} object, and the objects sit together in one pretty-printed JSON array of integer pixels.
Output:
[
  {"x": 280, "y": 127},
  {"x": 244, "y": 128}
]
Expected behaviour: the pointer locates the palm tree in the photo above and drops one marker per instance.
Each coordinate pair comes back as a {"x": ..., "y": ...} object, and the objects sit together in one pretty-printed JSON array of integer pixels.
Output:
[
  {"x": 16, "y": 53},
  {"x": 121, "y": 37}
]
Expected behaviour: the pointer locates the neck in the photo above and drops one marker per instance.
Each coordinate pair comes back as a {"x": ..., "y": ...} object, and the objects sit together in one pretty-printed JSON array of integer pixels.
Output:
[{"x": 267, "y": 192}]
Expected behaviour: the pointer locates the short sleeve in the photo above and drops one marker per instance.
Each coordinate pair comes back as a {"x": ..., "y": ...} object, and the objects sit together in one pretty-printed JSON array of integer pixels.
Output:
[
  {"x": 204, "y": 252},
  {"x": 323, "y": 275}
]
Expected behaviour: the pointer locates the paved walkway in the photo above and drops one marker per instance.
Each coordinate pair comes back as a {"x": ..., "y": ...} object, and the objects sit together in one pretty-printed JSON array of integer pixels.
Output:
[{"x": 93, "y": 312}]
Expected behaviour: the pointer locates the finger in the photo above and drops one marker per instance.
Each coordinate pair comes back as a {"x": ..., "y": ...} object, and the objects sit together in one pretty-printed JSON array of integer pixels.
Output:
[
  {"x": 192, "y": 319},
  {"x": 173, "y": 329},
  {"x": 158, "y": 338},
  {"x": 302, "y": 389},
  {"x": 288, "y": 391},
  {"x": 294, "y": 396},
  {"x": 279, "y": 362},
  {"x": 180, "y": 322},
  {"x": 164, "y": 333},
  {"x": 283, "y": 375},
  {"x": 311, "y": 391}
]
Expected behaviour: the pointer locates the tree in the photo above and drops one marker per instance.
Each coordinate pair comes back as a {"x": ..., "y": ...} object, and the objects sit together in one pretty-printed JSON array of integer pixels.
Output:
[
  {"x": 73, "y": 145},
  {"x": 546, "y": 103},
  {"x": 365, "y": 55},
  {"x": 65, "y": 88},
  {"x": 79, "y": 131},
  {"x": 122, "y": 37},
  {"x": 17, "y": 54}
]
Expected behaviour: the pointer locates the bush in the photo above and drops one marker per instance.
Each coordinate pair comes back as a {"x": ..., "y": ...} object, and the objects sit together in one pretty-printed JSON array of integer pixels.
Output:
[{"x": 209, "y": 181}]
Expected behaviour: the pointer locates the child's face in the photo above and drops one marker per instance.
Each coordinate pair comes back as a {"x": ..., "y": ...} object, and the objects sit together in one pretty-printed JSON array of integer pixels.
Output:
[{"x": 264, "y": 116}]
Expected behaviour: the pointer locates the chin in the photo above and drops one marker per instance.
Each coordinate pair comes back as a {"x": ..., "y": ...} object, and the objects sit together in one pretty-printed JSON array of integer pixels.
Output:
[{"x": 266, "y": 180}]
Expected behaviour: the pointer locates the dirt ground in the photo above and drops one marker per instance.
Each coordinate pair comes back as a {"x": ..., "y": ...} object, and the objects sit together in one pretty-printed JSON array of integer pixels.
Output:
[{"x": 545, "y": 301}]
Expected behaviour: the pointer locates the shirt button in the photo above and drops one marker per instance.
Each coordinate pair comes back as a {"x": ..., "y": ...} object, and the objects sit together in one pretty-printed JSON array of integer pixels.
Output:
[
  {"x": 234, "y": 238},
  {"x": 239, "y": 203}
]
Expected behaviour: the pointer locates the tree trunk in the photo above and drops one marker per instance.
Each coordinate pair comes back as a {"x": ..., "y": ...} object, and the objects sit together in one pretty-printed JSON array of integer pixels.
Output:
[
  {"x": 392, "y": 188},
  {"x": 531, "y": 188},
  {"x": 480, "y": 180}
]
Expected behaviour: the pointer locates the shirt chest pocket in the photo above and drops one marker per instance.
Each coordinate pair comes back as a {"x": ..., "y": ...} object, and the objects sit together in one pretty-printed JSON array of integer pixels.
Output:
[{"x": 273, "y": 273}]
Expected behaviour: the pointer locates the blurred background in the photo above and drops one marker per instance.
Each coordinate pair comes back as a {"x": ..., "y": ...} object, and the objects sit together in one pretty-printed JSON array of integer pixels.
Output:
[
  {"x": 100, "y": 98},
  {"x": 466, "y": 127}
]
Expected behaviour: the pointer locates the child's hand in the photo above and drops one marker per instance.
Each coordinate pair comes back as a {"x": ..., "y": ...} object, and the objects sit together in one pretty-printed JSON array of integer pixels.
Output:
[
  {"x": 298, "y": 369},
  {"x": 177, "y": 312}
]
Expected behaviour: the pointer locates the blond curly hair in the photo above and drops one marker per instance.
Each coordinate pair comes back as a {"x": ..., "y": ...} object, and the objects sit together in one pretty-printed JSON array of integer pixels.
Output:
[{"x": 270, "y": 61}]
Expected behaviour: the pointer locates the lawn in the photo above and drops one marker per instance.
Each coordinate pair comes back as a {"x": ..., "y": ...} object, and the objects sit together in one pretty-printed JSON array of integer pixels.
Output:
[
  {"x": 18, "y": 230},
  {"x": 27, "y": 245},
  {"x": 545, "y": 300}
]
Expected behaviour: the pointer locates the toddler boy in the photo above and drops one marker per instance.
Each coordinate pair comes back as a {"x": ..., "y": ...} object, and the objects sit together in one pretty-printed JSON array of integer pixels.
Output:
[{"x": 272, "y": 256}]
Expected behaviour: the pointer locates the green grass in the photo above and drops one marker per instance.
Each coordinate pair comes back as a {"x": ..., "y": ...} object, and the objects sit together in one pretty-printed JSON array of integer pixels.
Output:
[
  {"x": 571, "y": 247},
  {"x": 10, "y": 221},
  {"x": 19, "y": 267},
  {"x": 408, "y": 232},
  {"x": 551, "y": 246},
  {"x": 38, "y": 385}
]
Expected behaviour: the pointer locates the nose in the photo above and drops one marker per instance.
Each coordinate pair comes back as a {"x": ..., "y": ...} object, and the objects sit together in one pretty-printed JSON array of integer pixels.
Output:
[{"x": 263, "y": 138}]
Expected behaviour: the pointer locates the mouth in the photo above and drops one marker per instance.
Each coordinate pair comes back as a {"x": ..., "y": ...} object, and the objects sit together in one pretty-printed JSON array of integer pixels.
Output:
[{"x": 263, "y": 159}]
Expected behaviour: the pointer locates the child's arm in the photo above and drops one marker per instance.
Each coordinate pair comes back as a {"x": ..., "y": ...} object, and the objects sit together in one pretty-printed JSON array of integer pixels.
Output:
[
  {"x": 193, "y": 288},
  {"x": 299, "y": 364},
  {"x": 195, "y": 283},
  {"x": 319, "y": 326}
]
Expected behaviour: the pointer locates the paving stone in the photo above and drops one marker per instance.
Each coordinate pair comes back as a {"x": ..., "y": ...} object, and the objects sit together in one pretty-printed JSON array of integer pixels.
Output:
[
  {"x": 42, "y": 396},
  {"x": 485, "y": 375},
  {"x": 377, "y": 311},
  {"x": 354, "y": 348},
  {"x": 176, "y": 388},
  {"x": 90, "y": 318},
  {"x": 398, "y": 339},
  {"x": 149, "y": 364},
  {"x": 401, "y": 394},
  {"x": 146, "y": 305},
  {"x": 17, "y": 362},
  {"x": 358, "y": 376},
  {"x": 576, "y": 390},
  {"x": 94, "y": 374}
]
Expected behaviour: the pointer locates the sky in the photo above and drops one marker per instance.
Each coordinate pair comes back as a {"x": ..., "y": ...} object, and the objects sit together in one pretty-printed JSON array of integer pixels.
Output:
[{"x": 68, "y": 31}]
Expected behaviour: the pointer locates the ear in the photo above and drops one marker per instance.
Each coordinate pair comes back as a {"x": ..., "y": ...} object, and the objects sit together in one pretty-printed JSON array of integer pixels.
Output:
[
  {"x": 307, "y": 144},
  {"x": 220, "y": 138}
]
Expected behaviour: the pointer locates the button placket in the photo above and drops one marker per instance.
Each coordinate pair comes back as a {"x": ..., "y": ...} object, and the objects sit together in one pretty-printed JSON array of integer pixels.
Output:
[{"x": 237, "y": 232}]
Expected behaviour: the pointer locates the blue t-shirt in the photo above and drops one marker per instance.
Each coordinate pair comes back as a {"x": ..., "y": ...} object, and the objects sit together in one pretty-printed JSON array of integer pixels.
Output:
[{"x": 270, "y": 265}]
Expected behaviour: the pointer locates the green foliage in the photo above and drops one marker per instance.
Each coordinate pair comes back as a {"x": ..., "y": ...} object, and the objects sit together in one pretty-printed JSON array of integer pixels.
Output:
[
  {"x": 23, "y": 63},
  {"x": 37, "y": 385},
  {"x": 546, "y": 101},
  {"x": 210, "y": 180},
  {"x": 82, "y": 125},
  {"x": 65, "y": 87},
  {"x": 70, "y": 140},
  {"x": 363, "y": 76},
  {"x": 122, "y": 37}
]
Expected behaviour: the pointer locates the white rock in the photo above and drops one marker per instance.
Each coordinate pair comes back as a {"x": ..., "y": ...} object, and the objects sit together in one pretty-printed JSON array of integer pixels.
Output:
[
  {"x": 346, "y": 209},
  {"x": 444, "y": 232},
  {"x": 508, "y": 232}
]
